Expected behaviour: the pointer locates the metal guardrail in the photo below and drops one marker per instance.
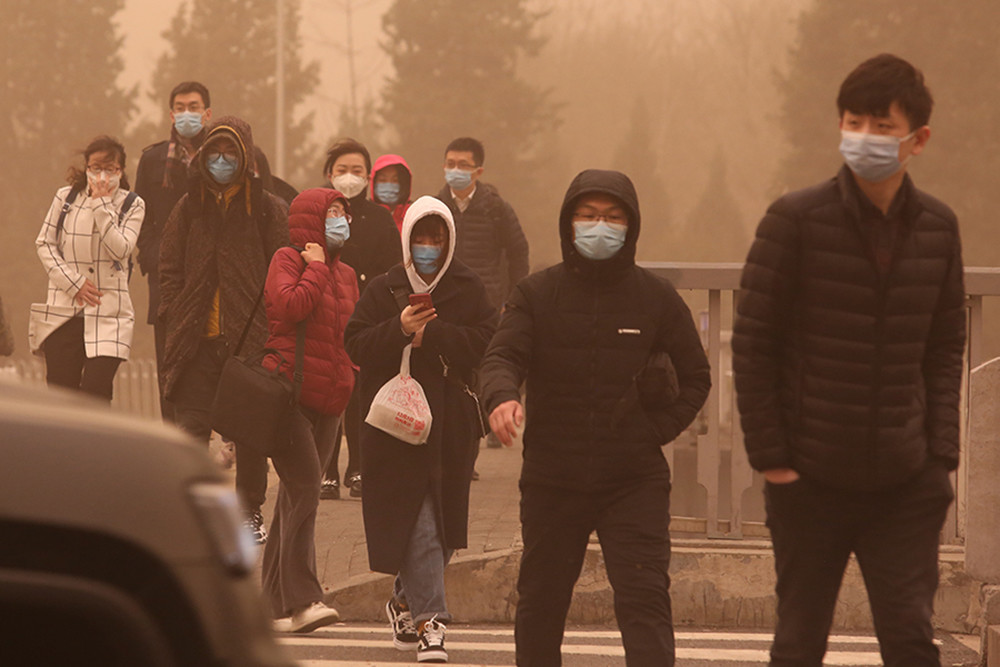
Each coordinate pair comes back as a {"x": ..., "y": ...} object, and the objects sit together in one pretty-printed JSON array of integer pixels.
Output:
[
  {"x": 716, "y": 493},
  {"x": 722, "y": 469}
]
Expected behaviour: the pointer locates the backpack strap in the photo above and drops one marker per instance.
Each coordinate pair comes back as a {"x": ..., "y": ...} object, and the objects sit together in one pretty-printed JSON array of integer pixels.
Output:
[
  {"x": 126, "y": 207},
  {"x": 70, "y": 198}
]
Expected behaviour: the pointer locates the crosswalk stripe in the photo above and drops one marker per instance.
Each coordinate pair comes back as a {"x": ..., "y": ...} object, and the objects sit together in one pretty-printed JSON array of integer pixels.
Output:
[
  {"x": 702, "y": 635},
  {"x": 834, "y": 658}
]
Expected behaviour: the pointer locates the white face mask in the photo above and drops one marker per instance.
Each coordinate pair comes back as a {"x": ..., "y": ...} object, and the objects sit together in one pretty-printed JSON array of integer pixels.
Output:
[
  {"x": 104, "y": 177},
  {"x": 350, "y": 185}
]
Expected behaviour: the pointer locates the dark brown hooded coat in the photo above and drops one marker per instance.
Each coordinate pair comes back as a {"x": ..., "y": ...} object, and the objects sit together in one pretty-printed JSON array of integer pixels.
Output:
[{"x": 217, "y": 240}]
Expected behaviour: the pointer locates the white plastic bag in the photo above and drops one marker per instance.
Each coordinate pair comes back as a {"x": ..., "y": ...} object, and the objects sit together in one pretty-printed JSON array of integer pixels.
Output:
[{"x": 400, "y": 407}]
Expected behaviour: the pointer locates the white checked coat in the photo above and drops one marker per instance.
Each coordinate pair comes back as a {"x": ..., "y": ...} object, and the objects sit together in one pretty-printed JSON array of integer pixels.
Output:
[{"x": 92, "y": 245}]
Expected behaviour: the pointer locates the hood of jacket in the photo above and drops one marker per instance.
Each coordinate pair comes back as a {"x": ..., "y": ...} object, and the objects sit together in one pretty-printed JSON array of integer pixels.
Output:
[
  {"x": 601, "y": 181},
  {"x": 239, "y": 131},
  {"x": 405, "y": 177},
  {"x": 421, "y": 208},
  {"x": 307, "y": 217}
]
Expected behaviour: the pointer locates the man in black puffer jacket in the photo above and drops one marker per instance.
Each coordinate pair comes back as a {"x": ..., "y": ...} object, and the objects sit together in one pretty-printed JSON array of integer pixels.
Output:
[
  {"x": 848, "y": 357},
  {"x": 615, "y": 369}
]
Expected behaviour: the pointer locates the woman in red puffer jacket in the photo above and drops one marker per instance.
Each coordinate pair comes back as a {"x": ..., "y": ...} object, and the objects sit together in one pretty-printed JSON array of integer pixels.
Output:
[{"x": 307, "y": 283}]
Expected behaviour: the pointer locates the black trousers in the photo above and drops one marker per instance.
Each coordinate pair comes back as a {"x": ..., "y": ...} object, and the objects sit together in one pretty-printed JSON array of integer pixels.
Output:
[
  {"x": 351, "y": 429},
  {"x": 894, "y": 534},
  {"x": 67, "y": 363},
  {"x": 192, "y": 402},
  {"x": 632, "y": 523}
]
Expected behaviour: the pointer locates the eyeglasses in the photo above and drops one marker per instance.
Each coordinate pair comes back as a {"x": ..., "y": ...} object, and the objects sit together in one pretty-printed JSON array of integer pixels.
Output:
[
  {"x": 336, "y": 212},
  {"x": 614, "y": 216},
  {"x": 97, "y": 170},
  {"x": 463, "y": 165},
  {"x": 212, "y": 157}
]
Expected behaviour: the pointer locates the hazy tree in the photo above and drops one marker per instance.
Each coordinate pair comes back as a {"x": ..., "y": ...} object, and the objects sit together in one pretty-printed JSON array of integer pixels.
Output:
[
  {"x": 716, "y": 229},
  {"x": 59, "y": 68},
  {"x": 456, "y": 73},
  {"x": 637, "y": 157},
  {"x": 231, "y": 46},
  {"x": 960, "y": 57}
]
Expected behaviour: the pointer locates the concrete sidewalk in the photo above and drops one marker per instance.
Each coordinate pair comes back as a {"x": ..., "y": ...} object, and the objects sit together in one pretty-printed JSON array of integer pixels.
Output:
[{"x": 717, "y": 583}]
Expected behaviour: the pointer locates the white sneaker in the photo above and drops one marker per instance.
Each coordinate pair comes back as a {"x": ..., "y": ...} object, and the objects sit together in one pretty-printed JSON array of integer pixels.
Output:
[
  {"x": 313, "y": 616},
  {"x": 282, "y": 624},
  {"x": 430, "y": 648}
]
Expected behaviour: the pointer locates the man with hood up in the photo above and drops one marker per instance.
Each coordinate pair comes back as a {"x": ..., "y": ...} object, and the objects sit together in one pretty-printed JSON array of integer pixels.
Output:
[
  {"x": 614, "y": 369},
  {"x": 391, "y": 186},
  {"x": 214, "y": 256}
]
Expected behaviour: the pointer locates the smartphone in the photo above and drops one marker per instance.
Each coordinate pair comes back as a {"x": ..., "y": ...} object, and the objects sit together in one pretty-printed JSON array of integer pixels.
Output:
[{"x": 421, "y": 301}]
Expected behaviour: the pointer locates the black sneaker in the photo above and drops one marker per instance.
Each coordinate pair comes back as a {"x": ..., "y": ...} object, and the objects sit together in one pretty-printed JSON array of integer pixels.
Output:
[
  {"x": 430, "y": 647},
  {"x": 354, "y": 484},
  {"x": 255, "y": 524},
  {"x": 404, "y": 633},
  {"x": 330, "y": 490}
]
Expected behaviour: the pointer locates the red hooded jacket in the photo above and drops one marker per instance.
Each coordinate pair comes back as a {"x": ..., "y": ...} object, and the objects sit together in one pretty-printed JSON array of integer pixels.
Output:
[
  {"x": 322, "y": 293},
  {"x": 405, "y": 186}
]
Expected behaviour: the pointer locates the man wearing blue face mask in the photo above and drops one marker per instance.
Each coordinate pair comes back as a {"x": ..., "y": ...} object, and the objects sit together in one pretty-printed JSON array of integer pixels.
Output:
[
  {"x": 162, "y": 179},
  {"x": 490, "y": 239},
  {"x": 214, "y": 256},
  {"x": 614, "y": 369},
  {"x": 847, "y": 352}
]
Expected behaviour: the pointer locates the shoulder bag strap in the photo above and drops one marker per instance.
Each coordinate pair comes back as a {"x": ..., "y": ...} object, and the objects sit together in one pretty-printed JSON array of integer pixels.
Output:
[{"x": 300, "y": 346}]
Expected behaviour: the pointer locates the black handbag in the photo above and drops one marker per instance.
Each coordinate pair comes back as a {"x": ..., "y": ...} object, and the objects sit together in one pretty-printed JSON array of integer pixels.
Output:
[{"x": 253, "y": 406}]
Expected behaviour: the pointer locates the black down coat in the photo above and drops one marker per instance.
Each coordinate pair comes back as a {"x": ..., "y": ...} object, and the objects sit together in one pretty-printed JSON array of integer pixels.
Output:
[
  {"x": 848, "y": 374},
  {"x": 397, "y": 476},
  {"x": 581, "y": 332}
]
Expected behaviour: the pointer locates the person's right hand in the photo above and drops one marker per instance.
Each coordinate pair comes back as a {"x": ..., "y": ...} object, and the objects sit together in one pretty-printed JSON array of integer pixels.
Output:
[
  {"x": 412, "y": 320},
  {"x": 313, "y": 253},
  {"x": 781, "y": 475},
  {"x": 88, "y": 295},
  {"x": 505, "y": 420}
]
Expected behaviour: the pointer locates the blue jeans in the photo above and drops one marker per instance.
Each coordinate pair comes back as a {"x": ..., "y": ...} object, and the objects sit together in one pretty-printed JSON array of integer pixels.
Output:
[{"x": 420, "y": 582}]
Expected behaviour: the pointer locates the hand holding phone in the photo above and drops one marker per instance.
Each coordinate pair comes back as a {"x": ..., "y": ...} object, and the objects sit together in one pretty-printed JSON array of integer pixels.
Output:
[{"x": 421, "y": 301}]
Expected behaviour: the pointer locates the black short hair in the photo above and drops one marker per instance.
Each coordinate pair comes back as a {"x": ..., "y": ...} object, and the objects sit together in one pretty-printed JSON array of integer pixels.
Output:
[
  {"x": 77, "y": 177},
  {"x": 346, "y": 146},
  {"x": 878, "y": 82},
  {"x": 185, "y": 87},
  {"x": 470, "y": 145}
]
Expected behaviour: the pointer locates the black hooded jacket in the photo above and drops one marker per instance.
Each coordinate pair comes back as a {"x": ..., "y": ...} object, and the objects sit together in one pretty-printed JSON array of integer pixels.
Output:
[{"x": 581, "y": 332}]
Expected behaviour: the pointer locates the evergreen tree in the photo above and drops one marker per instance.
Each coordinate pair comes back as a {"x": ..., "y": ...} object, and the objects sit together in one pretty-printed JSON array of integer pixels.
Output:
[
  {"x": 230, "y": 46},
  {"x": 456, "y": 75},
  {"x": 59, "y": 68},
  {"x": 637, "y": 157},
  {"x": 715, "y": 230},
  {"x": 960, "y": 57}
]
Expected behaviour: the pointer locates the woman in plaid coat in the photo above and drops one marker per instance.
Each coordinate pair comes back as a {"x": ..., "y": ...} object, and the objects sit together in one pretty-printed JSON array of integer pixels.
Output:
[{"x": 84, "y": 328}]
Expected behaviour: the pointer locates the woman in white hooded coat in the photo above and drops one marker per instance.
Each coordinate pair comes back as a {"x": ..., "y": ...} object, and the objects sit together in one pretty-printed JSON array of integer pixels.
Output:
[{"x": 416, "y": 498}]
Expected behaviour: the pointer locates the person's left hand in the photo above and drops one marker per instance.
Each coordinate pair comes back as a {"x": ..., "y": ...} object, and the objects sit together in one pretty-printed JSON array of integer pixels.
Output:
[{"x": 313, "y": 253}]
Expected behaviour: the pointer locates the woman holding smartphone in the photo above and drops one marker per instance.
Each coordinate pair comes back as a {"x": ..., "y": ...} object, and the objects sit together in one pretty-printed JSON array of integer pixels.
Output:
[{"x": 416, "y": 499}]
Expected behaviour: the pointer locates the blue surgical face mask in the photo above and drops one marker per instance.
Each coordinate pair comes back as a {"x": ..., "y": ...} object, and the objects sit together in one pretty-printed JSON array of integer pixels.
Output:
[
  {"x": 387, "y": 193},
  {"x": 425, "y": 258},
  {"x": 598, "y": 239},
  {"x": 458, "y": 179},
  {"x": 338, "y": 230},
  {"x": 873, "y": 157},
  {"x": 221, "y": 167},
  {"x": 188, "y": 123}
]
